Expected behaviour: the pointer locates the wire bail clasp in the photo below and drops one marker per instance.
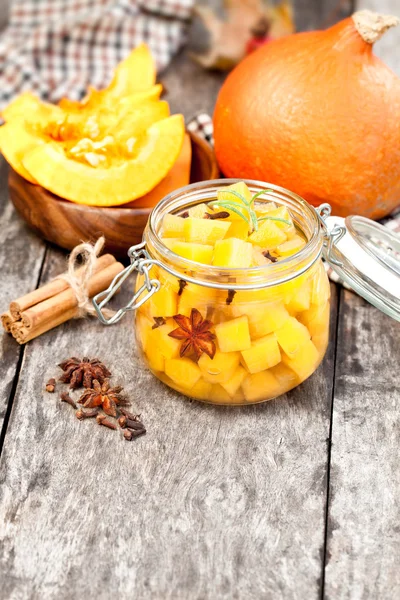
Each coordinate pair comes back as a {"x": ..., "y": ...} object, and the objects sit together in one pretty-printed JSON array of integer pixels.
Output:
[
  {"x": 140, "y": 262},
  {"x": 333, "y": 236}
]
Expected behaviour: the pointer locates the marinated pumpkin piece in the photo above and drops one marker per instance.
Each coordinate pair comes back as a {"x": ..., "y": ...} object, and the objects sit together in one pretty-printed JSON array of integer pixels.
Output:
[
  {"x": 194, "y": 295},
  {"x": 202, "y": 253},
  {"x": 218, "y": 395},
  {"x": 261, "y": 386},
  {"x": 303, "y": 363},
  {"x": 143, "y": 328},
  {"x": 268, "y": 235},
  {"x": 293, "y": 336},
  {"x": 283, "y": 219},
  {"x": 163, "y": 303},
  {"x": 201, "y": 390},
  {"x": 204, "y": 231},
  {"x": 200, "y": 210},
  {"x": 291, "y": 246},
  {"x": 286, "y": 376},
  {"x": 183, "y": 372},
  {"x": 160, "y": 338},
  {"x": 300, "y": 301},
  {"x": 233, "y": 335},
  {"x": 172, "y": 227},
  {"x": 237, "y": 193},
  {"x": 220, "y": 368},
  {"x": 264, "y": 318},
  {"x": 316, "y": 319},
  {"x": 233, "y": 253},
  {"x": 156, "y": 360},
  {"x": 321, "y": 290},
  {"x": 235, "y": 381},
  {"x": 238, "y": 229},
  {"x": 263, "y": 354}
]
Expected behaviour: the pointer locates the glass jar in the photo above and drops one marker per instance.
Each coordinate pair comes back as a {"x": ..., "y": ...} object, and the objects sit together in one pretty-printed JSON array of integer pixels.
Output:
[{"x": 270, "y": 323}]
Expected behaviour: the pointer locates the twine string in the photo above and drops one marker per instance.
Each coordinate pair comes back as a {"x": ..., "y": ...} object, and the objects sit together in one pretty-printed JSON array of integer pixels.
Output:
[{"x": 79, "y": 273}]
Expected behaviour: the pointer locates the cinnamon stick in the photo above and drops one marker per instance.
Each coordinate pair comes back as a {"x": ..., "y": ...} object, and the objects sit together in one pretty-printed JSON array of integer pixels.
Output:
[
  {"x": 23, "y": 334},
  {"x": 7, "y": 321},
  {"x": 51, "y": 289},
  {"x": 50, "y": 311}
]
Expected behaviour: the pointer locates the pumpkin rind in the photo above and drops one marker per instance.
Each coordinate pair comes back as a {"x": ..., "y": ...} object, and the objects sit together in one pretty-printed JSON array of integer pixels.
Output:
[
  {"x": 115, "y": 184},
  {"x": 316, "y": 113}
]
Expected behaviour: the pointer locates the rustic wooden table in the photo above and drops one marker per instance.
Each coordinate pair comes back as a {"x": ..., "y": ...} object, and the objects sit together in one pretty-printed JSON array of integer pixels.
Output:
[{"x": 296, "y": 498}]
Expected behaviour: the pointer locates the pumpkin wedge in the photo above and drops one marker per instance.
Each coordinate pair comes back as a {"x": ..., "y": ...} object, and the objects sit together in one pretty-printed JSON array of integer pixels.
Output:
[
  {"x": 28, "y": 106},
  {"x": 15, "y": 141},
  {"x": 96, "y": 100},
  {"x": 122, "y": 179},
  {"x": 137, "y": 119},
  {"x": 134, "y": 74}
]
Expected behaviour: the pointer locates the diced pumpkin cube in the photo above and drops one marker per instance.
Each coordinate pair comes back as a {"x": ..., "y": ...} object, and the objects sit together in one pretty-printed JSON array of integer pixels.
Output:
[
  {"x": 233, "y": 253},
  {"x": 235, "y": 381},
  {"x": 195, "y": 296},
  {"x": 172, "y": 226},
  {"x": 269, "y": 235},
  {"x": 204, "y": 231},
  {"x": 201, "y": 253},
  {"x": 263, "y": 354},
  {"x": 159, "y": 338},
  {"x": 143, "y": 328},
  {"x": 220, "y": 368},
  {"x": 281, "y": 212},
  {"x": 261, "y": 386},
  {"x": 262, "y": 208},
  {"x": 170, "y": 242},
  {"x": 320, "y": 289},
  {"x": 292, "y": 336},
  {"x": 264, "y": 317},
  {"x": 321, "y": 341},
  {"x": 183, "y": 372},
  {"x": 238, "y": 229},
  {"x": 301, "y": 299},
  {"x": 258, "y": 258},
  {"x": 155, "y": 359},
  {"x": 201, "y": 390},
  {"x": 305, "y": 362},
  {"x": 286, "y": 377},
  {"x": 226, "y": 194},
  {"x": 316, "y": 319},
  {"x": 199, "y": 210},
  {"x": 233, "y": 335},
  {"x": 163, "y": 303},
  {"x": 291, "y": 246},
  {"x": 238, "y": 398},
  {"x": 219, "y": 395}
]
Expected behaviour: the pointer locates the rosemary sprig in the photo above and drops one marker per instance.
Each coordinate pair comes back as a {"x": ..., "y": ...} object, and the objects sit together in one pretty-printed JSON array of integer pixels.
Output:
[{"x": 245, "y": 209}]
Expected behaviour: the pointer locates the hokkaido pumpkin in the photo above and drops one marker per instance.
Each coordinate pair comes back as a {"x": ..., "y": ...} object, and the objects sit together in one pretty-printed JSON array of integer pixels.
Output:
[
  {"x": 107, "y": 174},
  {"x": 317, "y": 113}
]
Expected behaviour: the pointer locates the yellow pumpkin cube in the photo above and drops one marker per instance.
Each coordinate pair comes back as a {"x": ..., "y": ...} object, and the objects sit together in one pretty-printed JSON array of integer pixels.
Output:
[
  {"x": 170, "y": 242},
  {"x": 321, "y": 341},
  {"x": 155, "y": 359},
  {"x": 292, "y": 336},
  {"x": 261, "y": 386},
  {"x": 143, "y": 329},
  {"x": 233, "y": 253},
  {"x": 199, "y": 211},
  {"x": 159, "y": 338},
  {"x": 259, "y": 260},
  {"x": 204, "y": 231},
  {"x": 320, "y": 289},
  {"x": 264, "y": 208},
  {"x": 269, "y": 235},
  {"x": 219, "y": 395},
  {"x": 201, "y": 253},
  {"x": 238, "y": 398},
  {"x": 172, "y": 226},
  {"x": 163, "y": 303},
  {"x": 286, "y": 377},
  {"x": 264, "y": 317},
  {"x": 263, "y": 354},
  {"x": 201, "y": 390},
  {"x": 183, "y": 371},
  {"x": 196, "y": 296},
  {"x": 316, "y": 319},
  {"x": 303, "y": 363},
  {"x": 235, "y": 381},
  {"x": 220, "y": 368},
  {"x": 233, "y": 335},
  {"x": 238, "y": 229},
  {"x": 281, "y": 212},
  {"x": 291, "y": 246},
  {"x": 227, "y": 195},
  {"x": 301, "y": 299}
]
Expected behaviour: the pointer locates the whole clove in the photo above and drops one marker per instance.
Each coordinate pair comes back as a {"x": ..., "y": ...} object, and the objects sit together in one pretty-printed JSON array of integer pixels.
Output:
[
  {"x": 65, "y": 397},
  {"x": 124, "y": 422},
  {"x": 102, "y": 420},
  {"x": 130, "y": 434},
  {"x": 185, "y": 214},
  {"x": 81, "y": 413},
  {"x": 130, "y": 415},
  {"x": 182, "y": 285},
  {"x": 230, "y": 297},
  {"x": 219, "y": 215},
  {"x": 269, "y": 256},
  {"x": 51, "y": 385}
]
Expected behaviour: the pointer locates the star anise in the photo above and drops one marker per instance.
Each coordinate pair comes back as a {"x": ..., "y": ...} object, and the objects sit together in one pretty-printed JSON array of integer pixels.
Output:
[
  {"x": 78, "y": 372},
  {"x": 104, "y": 396},
  {"x": 194, "y": 331}
]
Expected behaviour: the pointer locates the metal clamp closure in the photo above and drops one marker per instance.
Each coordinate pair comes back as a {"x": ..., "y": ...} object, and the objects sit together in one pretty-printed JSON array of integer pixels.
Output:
[
  {"x": 332, "y": 237},
  {"x": 140, "y": 262}
]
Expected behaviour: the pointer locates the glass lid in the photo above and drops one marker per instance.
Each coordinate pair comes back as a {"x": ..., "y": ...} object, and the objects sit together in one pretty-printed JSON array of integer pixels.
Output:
[{"x": 366, "y": 256}]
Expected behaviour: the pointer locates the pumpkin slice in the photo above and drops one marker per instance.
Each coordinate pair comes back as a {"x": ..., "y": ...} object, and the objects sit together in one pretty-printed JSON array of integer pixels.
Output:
[
  {"x": 124, "y": 179},
  {"x": 27, "y": 106},
  {"x": 178, "y": 177},
  {"x": 15, "y": 141},
  {"x": 137, "y": 119},
  {"x": 134, "y": 74}
]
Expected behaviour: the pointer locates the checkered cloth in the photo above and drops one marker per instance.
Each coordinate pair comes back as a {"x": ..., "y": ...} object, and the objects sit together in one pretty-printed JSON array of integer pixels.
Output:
[
  {"x": 57, "y": 48},
  {"x": 203, "y": 126}
]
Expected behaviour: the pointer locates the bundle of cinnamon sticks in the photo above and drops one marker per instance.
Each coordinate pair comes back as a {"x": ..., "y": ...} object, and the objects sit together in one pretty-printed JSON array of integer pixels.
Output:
[{"x": 54, "y": 303}]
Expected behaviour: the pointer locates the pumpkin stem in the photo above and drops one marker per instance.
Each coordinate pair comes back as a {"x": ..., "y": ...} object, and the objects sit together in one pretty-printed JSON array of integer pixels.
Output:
[{"x": 372, "y": 26}]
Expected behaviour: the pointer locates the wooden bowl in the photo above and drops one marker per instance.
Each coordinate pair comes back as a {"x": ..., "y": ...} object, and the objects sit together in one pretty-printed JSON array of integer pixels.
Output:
[{"x": 67, "y": 224}]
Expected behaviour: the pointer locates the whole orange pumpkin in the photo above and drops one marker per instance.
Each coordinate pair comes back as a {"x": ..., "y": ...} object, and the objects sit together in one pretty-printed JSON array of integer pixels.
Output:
[{"x": 319, "y": 114}]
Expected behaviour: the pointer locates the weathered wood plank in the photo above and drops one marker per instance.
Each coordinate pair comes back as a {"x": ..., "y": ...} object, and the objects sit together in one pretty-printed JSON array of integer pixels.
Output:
[
  {"x": 21, "y": 257},
  {"x": 364, "y": 515},
  {"x": 211, "y": 503}
]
